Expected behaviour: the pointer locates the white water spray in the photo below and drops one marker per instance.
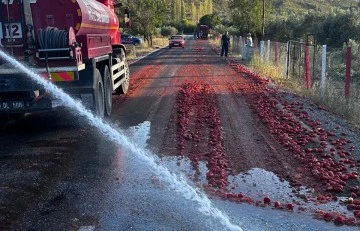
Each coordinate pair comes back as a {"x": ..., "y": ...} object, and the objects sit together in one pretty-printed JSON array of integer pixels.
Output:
[{"x": 177, "y": 183}]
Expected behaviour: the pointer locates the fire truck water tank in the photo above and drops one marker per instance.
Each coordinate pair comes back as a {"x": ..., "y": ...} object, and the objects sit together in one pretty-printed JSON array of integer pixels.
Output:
[{"x": 85, "y": 16}]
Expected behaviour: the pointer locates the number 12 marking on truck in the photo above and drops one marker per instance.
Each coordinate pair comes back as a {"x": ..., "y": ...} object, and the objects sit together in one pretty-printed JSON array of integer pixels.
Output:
[{"x": 13, "y": 30}]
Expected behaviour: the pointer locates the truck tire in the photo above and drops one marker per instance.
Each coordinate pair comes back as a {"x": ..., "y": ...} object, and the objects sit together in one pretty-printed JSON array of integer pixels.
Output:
[
  {"x": 108, "y": 90},
  {"x": 122, "y": 55},
  {"x": 99, "y": 97},
  {"x": 123, "y": 89}
]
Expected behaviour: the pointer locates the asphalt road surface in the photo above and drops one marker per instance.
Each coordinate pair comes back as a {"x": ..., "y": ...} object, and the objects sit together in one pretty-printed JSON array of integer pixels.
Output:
[{"x": 196, "y": 113}]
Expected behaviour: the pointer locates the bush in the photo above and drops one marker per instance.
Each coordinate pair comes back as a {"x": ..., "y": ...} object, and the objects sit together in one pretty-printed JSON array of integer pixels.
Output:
[
  {"x": 187, "y": 26},
  {"x": 157, "y": 32},
  {"x": 168, "y": 31}
]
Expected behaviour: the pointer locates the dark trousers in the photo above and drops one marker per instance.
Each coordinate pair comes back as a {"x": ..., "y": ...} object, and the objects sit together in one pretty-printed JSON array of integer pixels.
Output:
[{"x": 224, "y": 48}]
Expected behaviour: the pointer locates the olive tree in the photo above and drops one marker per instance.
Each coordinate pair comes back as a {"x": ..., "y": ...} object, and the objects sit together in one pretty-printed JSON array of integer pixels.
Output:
[{"x": 146, "y": 16}]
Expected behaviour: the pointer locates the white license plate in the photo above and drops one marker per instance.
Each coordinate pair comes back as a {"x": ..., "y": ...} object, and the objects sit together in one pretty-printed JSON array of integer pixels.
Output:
[{"x": 11, "y": 105}]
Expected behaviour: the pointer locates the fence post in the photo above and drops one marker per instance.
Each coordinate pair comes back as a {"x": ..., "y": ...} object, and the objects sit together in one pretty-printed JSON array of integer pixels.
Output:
[
  {"x": 276, "y": 52},
  {"x": 232, "y": 48},
  {"x": 262, "y": 53},
  {"x": 307, "y": 67},
  {"x": 287, "y": 59},
  {"x": 241, "y": 46},
  {"x": 348, "y": 72},
  {"x": 268, "y": 52},
  {"x": 323, "y": 71}
]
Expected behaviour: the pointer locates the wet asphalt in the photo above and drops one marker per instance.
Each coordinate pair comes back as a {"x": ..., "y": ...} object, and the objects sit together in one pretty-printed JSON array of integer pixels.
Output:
[{"x": 58, "y": 173}]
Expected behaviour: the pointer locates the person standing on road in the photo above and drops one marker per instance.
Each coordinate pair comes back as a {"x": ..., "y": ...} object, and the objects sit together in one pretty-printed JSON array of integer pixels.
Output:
[
  {"x": 248, "y": 47},
  {"x": 225, "y": 42},
  {"x": 249, "y": 41}
]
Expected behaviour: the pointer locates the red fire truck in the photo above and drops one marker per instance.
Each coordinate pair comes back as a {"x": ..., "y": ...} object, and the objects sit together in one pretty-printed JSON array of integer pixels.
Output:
[{"x": 73, "y": 43}]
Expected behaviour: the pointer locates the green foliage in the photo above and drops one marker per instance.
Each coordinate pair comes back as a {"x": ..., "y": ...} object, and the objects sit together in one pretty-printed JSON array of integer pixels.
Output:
[
  {"x": 247, "y": 15},
  {"x": 211, "y": 20},
  {"x": 219, "y": 29},
  {"x": 146, "y": 16},
  {"x": 193, "y": 13},
  {"x": 168, "y": 31},
  {"x": 177, "y": 10},
  {"x": 183, "y": 10},
  {"x": 332, "y": 29},
  {"x": 337, "y": 29},
  {"x": 209, "y": 6},
  {"x": 187, "y": 26}
]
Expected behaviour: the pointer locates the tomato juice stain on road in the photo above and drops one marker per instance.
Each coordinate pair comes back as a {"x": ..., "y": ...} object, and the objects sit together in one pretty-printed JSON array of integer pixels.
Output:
[
  {"x": 312, "y": 145},
  {"x": 304, "y": 144}
]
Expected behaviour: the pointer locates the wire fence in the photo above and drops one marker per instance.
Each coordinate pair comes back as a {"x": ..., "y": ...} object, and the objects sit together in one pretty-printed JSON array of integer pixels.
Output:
[{"x": 333, "y": 75}]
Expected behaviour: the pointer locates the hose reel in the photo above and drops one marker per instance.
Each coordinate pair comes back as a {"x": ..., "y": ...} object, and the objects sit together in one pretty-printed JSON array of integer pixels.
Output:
[{"x": 52, "y": 38}]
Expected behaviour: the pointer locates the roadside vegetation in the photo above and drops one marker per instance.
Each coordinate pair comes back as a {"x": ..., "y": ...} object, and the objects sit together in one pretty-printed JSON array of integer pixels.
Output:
[
  {"x": 134, "y": 52},
  {"x": 330, "y": 98}
]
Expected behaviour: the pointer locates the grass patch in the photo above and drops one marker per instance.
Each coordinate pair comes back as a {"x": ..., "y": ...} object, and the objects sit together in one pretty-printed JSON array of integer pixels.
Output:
[
  {"x": 332, "y": 97},
  {"x": 268, "y": 70},
  {"x": 137, "y": 51},
  {"x": 215, "y": 42}
]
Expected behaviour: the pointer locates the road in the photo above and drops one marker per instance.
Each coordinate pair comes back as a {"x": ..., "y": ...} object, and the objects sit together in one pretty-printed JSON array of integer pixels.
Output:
[{"x": 202, "y": 119}]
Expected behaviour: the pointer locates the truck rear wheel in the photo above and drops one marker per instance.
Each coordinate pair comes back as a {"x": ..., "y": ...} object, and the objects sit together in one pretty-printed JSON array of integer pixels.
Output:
[
  {"x": 123, "y": 89},
  {"x": 108, "y": 90},
  {"x": 99, "y": 98}
]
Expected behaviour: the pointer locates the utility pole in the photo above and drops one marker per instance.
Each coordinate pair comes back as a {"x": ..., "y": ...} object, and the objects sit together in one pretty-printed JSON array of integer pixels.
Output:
[{"x": 263, "y": 20}]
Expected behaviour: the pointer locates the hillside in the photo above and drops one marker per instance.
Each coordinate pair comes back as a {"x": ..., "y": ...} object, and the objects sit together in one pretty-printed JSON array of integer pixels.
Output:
[
  {"x": 193, "y": 10},
  {"x": 300, "y": 5},
  {"x": 314, "y": 5}
]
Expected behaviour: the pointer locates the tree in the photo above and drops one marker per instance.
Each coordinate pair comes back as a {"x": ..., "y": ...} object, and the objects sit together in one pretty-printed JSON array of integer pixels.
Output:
[
  {"x": 209, "y": 8},
  {"x": 201, "y": 9},
  {"x": 247, "y": 14},
  {"x": 183, "y": 10},
  {"x": 174, "y": 10},
  {"x": 193, "y": 13},
  {"x": 146, "y": 16},
  {"x": 211, "y": 20},
  {"x": 177, "y": 10}
]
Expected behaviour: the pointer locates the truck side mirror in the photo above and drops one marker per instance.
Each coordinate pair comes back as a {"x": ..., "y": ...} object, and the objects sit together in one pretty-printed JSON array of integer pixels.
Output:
[{"x": 127, "y": 18}]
